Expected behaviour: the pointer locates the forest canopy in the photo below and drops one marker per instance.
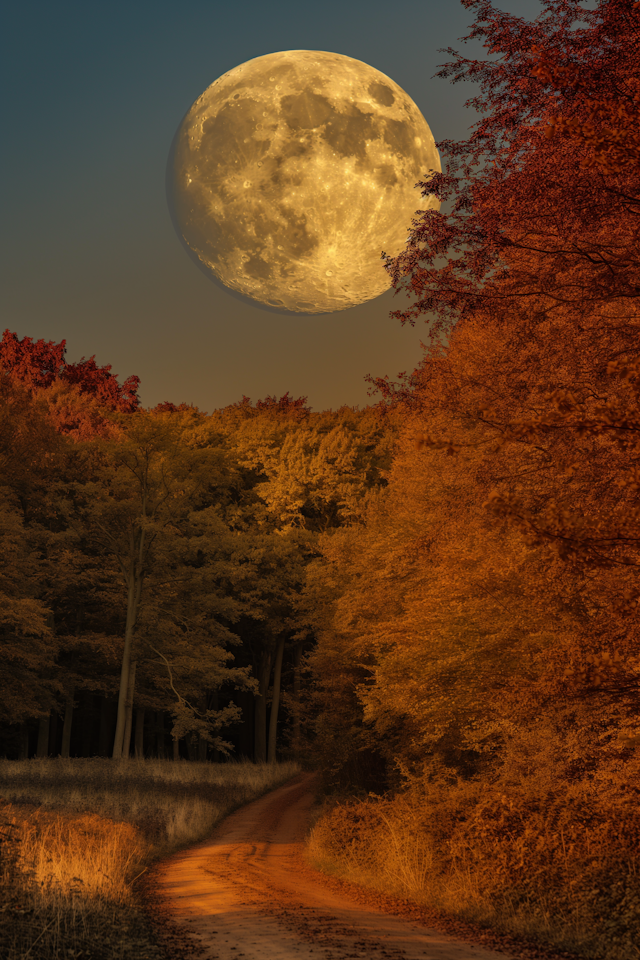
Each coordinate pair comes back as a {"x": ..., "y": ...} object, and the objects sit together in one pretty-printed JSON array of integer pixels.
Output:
[
  {"x": 501, "y": 558},
  {"x": 154, "y": 559}
]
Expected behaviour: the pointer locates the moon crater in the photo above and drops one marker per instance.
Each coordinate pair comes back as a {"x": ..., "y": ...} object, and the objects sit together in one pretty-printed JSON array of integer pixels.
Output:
[{"x": 292, "y": 172}]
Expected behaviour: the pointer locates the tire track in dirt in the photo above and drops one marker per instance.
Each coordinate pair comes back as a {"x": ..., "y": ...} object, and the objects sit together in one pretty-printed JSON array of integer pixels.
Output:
[{"x": 246, "y": 892}]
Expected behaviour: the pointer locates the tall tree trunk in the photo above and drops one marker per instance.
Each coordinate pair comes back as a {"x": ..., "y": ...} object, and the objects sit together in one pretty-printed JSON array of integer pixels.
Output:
[
  {"x": 260, "y": 725},
  {"x": 103, "y": 730},
  {"x": 140, "y": 733},
  {"x": 160, "y": 734},
  {"x": 202, "y": 743},
  {"x": 88, "y": 728},
  {"x": 43, "y": 737},
  {"x": 295, "y": 737},
  {"x": 133, "y": 601},
  {"x": 275, "y": 703},
  {"x": 128, "y": 720},
  {"x": 66, "y": 727},
  {"x": 53, "y": 734},
  {"x": 176, "y": 748},
  {"x": 23, "y": 742}
]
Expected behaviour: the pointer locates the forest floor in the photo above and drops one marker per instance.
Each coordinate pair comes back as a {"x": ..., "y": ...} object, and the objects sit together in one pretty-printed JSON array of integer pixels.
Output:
[{"x": 249, "y": 892}]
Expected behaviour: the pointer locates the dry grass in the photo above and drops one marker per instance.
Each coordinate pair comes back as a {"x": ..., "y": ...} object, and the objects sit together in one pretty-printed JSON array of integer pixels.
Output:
[
  {"x": 559, "y": 868},
  {"x": 172, "y": 802},
  {"x": 75, "y": 835}
]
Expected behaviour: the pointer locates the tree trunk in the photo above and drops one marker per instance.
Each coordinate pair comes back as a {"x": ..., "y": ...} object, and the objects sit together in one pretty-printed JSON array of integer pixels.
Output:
[
  {"x": 202, "y": 743},
  {"x": 66, "y": 727},
  {"x": 215, "y": 753},
  {"x": 275, "y": 703},
  {"x": 23, "y": 742},
  {"x": 128, "y": 719},
  {"x": 53, "y": 734},
  {"x": 295, "y": 734},
  {"x": 140, "y": 733},
  {"x": 160, "y": 734},
  {"x": 176, "y": 748},
  {"x": 103, "y": 730},
  {"x": 260, "y": 727},
  {"x": 88, "y": 717},
  {"x": 43, "y": 737},
  {"x": 133, "y": 602}
]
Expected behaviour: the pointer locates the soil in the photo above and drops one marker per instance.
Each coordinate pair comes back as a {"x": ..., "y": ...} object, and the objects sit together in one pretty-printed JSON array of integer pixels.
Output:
[{"x": 247, "y": 892}]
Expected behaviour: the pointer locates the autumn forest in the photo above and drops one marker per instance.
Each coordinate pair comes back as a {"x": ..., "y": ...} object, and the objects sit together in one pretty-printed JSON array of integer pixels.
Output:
[{"x": 434, "y": 599}]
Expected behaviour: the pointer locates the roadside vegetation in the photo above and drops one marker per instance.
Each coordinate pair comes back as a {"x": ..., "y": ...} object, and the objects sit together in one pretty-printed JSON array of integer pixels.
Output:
[
  {"x": 533, "y": 858},
  {"x": 77, "y": 836}
]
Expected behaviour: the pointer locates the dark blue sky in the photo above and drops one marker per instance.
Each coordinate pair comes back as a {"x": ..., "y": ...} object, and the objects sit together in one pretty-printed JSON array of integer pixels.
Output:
[{"x": 92, "y": 94}]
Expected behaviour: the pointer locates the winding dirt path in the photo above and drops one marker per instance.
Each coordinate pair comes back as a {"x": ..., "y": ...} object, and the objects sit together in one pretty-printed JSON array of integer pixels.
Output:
[{"x": 247, "y": 893}]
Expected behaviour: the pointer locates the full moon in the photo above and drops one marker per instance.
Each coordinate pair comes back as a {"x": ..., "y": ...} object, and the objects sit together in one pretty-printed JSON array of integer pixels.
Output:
[{"x": 291, "y": 174}]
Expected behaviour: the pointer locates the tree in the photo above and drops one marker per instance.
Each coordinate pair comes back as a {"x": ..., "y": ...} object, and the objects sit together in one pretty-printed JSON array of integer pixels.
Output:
[
  {"x": 432, "y": 619},
  {"x": 304, "y": 473},
  {"x": 132, "y": 494},
  {"x": 538, "y": 225},
  {"x": 529, "y": 391},
  {"x": 317, "y": 475},
  {"x": 42, "y": 363},
  {"x": 538, "y": 287},
  {"x": 27, "y": 647},
  {"x": 39, "y": 566},
  {"x": 186, "y": 630},
  {"x": 30, "y": 453},
  {"x": 550, "y": 274}
]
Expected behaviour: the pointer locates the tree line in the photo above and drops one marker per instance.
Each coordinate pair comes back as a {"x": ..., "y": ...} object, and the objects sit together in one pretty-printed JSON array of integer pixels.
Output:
[{"x": 153, "y": 560}]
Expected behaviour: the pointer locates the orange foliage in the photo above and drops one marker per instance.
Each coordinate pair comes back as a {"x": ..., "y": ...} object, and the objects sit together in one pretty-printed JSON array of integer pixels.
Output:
[
  {"x": 495, "y": 580},
  {"x": 542, "y": 277}
]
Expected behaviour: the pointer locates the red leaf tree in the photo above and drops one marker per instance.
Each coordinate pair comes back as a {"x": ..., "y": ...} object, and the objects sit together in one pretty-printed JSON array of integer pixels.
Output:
[
  {"x": 41, "y": 363},
  {"x": 537, "y": 223},
  {"x": 534, "y": 273}
]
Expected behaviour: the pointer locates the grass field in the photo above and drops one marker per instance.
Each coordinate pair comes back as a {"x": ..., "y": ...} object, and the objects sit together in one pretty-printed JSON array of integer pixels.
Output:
[{"x": 77, "y": 835}]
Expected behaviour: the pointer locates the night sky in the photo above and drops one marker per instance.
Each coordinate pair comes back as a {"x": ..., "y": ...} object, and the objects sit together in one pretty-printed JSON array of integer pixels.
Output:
[{"x": 92, "y": 95}]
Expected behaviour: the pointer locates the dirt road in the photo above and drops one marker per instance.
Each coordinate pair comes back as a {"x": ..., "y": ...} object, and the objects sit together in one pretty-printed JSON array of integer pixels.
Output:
[{"x": 247, "y": 893}]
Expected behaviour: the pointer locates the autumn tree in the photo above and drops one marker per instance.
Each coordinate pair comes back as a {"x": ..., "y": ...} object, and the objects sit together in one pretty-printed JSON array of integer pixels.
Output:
[
  {"x": 30, "y": 453},
  {"x": 60, "y": 402},
  {"x": 134, "y": 496},
  {"x": 528, "y": 389},
  {"x": 430, "y": 617},
  {"x": 39, "y": 364},
  {"x": 129, "y": 496},
  {"x": 544, "y": 223},
  {"x": 540, "y": 248},
  {"x": 302, "y": 473},
  {"x": 207, "y": 522},
  {"x": 27, "y": 647}
]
